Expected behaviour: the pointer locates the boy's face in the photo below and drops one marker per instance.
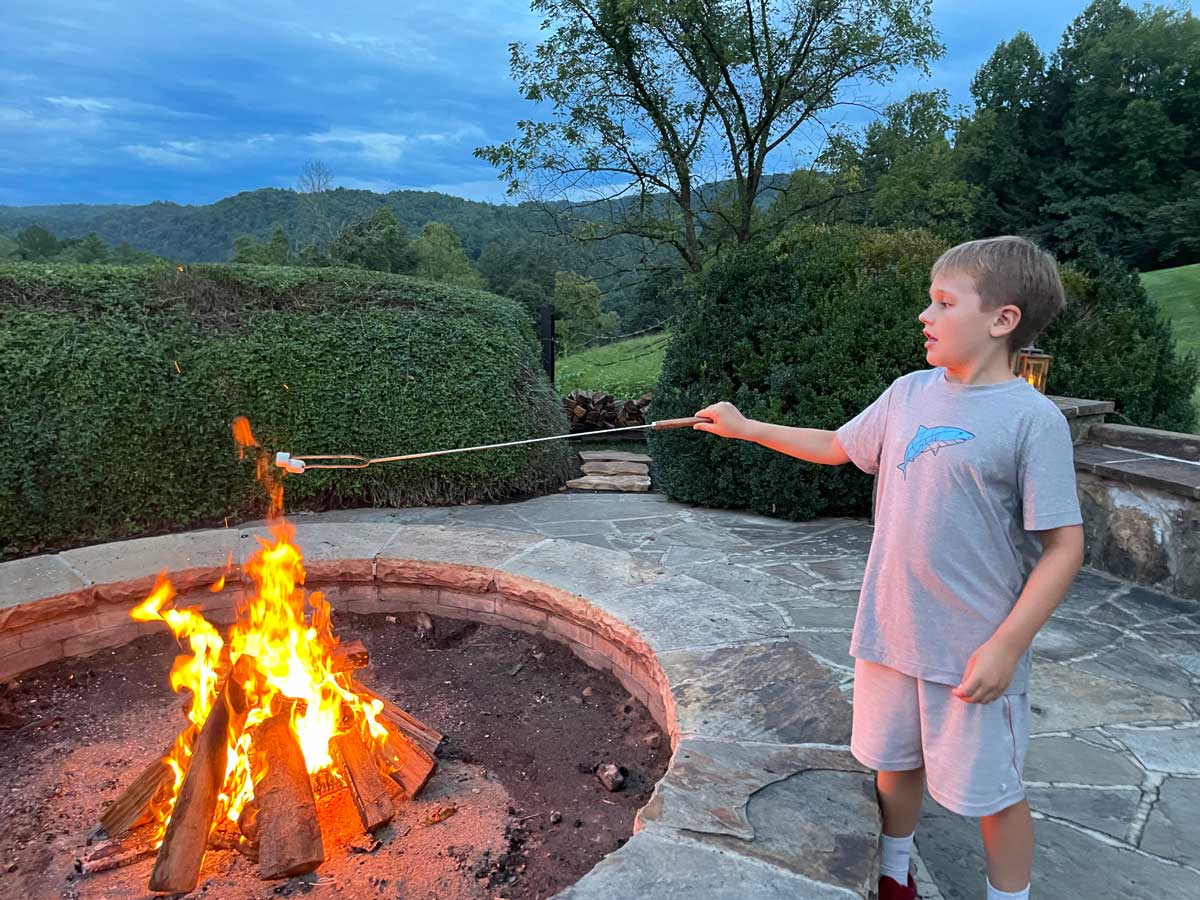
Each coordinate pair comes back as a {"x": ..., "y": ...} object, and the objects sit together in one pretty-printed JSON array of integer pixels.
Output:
[{"x": 957, "y": 331}]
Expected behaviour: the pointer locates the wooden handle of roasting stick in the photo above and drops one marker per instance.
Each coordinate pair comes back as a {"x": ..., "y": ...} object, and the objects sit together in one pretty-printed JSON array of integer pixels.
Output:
[{"x": 677, "y": 423}]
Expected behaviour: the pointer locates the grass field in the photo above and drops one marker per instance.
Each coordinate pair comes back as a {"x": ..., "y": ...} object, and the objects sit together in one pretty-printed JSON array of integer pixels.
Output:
[
  {"x": 625, "y": 369},
  {"x": 1177, "y": 293}
]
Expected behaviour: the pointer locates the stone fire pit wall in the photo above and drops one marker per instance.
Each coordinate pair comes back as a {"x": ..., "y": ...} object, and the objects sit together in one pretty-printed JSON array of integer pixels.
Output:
[{"x": 761, "y": 798}]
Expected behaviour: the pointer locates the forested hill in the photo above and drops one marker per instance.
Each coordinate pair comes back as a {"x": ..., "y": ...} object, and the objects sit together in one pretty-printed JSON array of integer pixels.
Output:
[{"x": 206, "y": 233}]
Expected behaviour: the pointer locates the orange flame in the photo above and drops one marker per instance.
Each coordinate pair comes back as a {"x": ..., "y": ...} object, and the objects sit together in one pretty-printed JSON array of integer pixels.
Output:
[
  {"x": 289, "y": 632},
  {"x": 268, "y": 475}
]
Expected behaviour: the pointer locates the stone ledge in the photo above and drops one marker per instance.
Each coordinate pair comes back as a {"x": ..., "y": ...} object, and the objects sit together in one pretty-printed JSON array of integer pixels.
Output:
[
  {"x": 749, "y": 701},
  {"x": 1147, "y": 440},
  {"x": 1173, "y": 476},
  {"x": 1074, "y": 407}
]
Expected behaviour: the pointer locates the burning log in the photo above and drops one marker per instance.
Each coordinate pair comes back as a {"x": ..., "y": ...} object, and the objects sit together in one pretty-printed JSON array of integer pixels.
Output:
[
  {"x": 348, "y": 656},
  {"x": 289, "y": 834},
  {"x": 131, "y": 807},
  {"x": 367, "y": 785},
  {"x": 408, "y": 765},
  {"x": 178, "y": 864},
  {"x": 428, "y": 739}
]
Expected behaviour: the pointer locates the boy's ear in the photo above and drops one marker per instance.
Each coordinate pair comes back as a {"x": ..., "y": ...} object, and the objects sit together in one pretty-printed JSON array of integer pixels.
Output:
[{"x": 1004, "y": 320}]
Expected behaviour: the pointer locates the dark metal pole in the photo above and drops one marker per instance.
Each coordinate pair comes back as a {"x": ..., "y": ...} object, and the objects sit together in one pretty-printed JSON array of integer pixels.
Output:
[{"x": 546, "y": 335}]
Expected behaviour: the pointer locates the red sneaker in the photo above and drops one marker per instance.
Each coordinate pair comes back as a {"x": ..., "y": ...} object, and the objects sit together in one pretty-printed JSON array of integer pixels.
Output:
[{"x": 890, "y": 889}]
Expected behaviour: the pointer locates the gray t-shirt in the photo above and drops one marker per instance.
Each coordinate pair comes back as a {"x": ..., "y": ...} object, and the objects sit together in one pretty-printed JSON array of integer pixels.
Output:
[{"x": 965, "y": 473}]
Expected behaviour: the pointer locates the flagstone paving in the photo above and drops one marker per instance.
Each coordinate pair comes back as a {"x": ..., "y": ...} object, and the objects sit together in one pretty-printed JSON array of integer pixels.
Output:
[
  {"x": 1113, "y": 771},
  {"x": 750, "y": 619}
]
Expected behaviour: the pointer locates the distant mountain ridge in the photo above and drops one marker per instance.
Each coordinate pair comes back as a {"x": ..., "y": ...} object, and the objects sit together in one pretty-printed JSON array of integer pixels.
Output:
[{"x": 205, "y": 233}]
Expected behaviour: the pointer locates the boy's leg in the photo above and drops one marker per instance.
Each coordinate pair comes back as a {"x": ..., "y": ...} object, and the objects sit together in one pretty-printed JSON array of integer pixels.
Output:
[
  {"x": 1008, "y": 840},
  {"x": 900, "y": 796},
  {"x": 974, "y": 755},
  {"x": 887, "y": 738}
]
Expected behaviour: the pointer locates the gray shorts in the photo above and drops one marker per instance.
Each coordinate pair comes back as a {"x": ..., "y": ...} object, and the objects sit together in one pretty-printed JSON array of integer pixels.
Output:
[{"x": 972, "y": 753}]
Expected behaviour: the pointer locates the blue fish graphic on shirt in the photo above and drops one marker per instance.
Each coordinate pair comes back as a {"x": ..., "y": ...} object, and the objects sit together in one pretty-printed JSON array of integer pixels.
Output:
[{"x": 931, "y": 440}]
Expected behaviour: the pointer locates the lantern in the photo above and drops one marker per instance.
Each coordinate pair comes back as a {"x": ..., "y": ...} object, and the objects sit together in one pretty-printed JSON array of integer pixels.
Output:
[{"x": 1033, "y": 365}]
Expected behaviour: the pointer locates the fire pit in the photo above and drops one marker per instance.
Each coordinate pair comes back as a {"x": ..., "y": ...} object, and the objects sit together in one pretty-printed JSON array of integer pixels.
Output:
[{"x": 239, "y": 777}]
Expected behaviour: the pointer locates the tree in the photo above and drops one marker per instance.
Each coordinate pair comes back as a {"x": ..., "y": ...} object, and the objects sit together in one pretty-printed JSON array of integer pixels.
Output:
[
  {"x": 911, "y": 173},
  {"x": 91, "y": 249},
  {"x": 35, "y": 243},
  {"x": 438, "y": 255},
  {"x": 1007, "y": 145},
  {"x": 511, "y": 259},
  {"x": 274, "y": 252},
  {"x": 650, "y": 99},
  {"x": 314, "y": 183},
  {"x": 578, "y": 312},
  {"x": 377, "y": 242}
]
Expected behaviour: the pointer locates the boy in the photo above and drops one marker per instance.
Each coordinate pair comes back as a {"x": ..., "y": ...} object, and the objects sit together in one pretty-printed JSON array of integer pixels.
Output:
[{"x": 978, "y": 536}]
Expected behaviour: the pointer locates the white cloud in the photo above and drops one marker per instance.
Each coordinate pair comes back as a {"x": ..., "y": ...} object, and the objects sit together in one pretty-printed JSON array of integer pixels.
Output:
[
  {"x": 378, "y": 146},
  {"x": 122, "y": 106},
  {"x": 198, "y": 153},
  {"x": 87, "y": 104},
  {"x": 407, "y": 50}
]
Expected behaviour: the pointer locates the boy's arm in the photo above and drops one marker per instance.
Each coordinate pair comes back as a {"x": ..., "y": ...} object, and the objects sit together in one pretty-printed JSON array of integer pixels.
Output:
[
  {"x": 990, "y": 668},
  {"x": 810, "y": 444}
]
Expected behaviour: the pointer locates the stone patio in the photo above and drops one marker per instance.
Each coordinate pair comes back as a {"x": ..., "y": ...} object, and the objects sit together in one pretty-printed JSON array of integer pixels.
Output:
[{"x": 748, "y": 620}]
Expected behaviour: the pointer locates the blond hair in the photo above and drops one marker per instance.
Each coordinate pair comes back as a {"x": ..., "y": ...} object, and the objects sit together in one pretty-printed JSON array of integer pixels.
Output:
[{"x": 1010, "y": 270}]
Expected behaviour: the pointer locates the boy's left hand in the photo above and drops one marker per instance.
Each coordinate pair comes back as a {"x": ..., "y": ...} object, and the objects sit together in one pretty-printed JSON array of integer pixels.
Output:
[{"x": 988, "y": 674}]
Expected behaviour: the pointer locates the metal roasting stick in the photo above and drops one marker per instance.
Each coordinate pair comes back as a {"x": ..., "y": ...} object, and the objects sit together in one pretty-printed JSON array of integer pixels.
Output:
[{"x": 298, "y": 465}]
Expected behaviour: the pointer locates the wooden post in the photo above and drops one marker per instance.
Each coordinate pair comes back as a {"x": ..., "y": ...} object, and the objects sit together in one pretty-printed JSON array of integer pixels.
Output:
[
  {"x": 289, "y": 835},
  {"x": 367, "y": 786},
  {"x": 177, "y": 867}
]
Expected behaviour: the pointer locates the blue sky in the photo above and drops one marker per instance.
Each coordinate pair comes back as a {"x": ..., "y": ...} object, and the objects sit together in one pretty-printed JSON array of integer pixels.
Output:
[{"x": 128, "y": 101}]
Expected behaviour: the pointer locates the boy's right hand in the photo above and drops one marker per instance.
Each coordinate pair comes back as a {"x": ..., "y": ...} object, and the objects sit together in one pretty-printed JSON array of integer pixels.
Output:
[{"x": 724, "y": 420}]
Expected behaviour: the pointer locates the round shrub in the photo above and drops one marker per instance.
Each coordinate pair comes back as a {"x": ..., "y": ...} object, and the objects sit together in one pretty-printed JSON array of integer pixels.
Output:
[
  {"x": 804, "y": 332},
  {"x": 809, "y": 330},
  {"x": 1113, "y": 343},
  {"x": 118, "y": 387}
]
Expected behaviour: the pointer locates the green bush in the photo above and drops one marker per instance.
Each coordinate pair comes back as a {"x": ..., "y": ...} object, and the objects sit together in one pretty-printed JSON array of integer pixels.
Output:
[
  {"x": 809, "y": 330},
  {"x": 804, "y": 332},
  {"x": 118, "y": 386}
]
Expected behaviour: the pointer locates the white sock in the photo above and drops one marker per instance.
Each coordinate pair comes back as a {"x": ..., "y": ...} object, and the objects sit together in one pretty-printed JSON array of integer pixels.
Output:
[
  {"x": 894, "y": 858},
  {"x": 994, "y": 894}
]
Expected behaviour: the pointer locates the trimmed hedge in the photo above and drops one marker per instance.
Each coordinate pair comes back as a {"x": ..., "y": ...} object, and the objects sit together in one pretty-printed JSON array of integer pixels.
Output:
[
  {"x": 809, "y": 330},
  {"x": 118, "y": 386}
]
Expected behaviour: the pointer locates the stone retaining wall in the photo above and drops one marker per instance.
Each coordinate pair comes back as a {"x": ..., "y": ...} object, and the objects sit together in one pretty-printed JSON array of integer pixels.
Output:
[{"x": 1139, "y": 490}]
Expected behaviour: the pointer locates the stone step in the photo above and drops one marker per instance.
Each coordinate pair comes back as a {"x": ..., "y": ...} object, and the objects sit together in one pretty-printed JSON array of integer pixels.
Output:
[
  {"x": 613, "y": 456},
  {"x": 615, "y": 468},
  {"x": 634, "y": 483}
]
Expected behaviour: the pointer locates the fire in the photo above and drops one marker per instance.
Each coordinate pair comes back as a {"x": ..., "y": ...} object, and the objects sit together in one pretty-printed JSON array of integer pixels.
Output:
[{"x": 287, "y": 631}]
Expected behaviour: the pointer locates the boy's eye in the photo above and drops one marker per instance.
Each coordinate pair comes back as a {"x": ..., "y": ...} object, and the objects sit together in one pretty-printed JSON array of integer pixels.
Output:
[{"x": 943, "y": 304}]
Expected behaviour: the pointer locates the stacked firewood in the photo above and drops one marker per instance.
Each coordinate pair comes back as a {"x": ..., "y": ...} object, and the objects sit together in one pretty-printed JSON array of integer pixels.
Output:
[
  {"x": 278, "y": 828},
  {"x": 598, "y": 410}
]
